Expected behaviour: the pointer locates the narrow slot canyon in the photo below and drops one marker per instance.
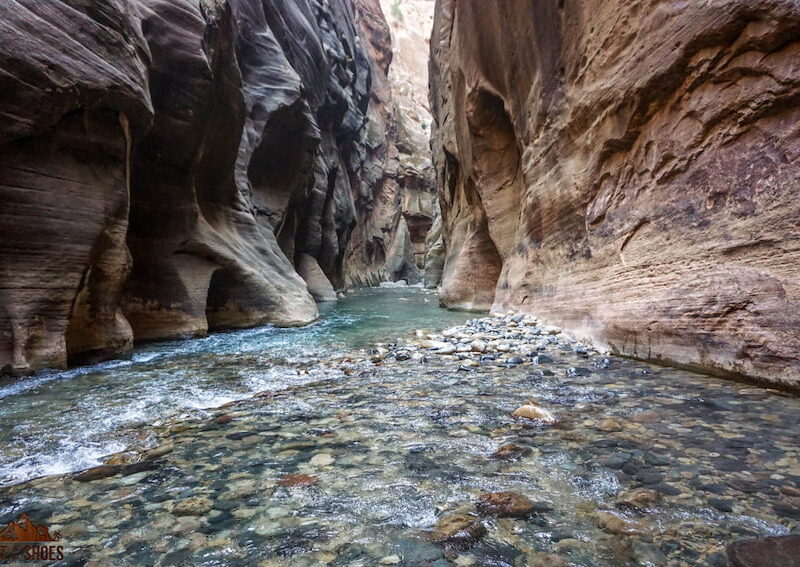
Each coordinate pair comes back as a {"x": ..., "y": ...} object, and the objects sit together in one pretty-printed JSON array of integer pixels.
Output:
[{"x": 415, "y": 283}]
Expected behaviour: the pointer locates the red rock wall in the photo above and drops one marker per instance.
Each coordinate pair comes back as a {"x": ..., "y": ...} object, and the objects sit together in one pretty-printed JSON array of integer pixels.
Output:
[{"x": 627, "y": 170}]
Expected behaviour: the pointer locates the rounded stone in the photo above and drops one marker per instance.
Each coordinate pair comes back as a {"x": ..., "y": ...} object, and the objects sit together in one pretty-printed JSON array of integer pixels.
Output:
[
  {"x": 505, "y": 505},
  {"x": 535, "y": 413}
]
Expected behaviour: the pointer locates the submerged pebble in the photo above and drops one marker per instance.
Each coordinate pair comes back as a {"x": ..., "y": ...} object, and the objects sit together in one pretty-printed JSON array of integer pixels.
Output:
[{"x": 535, "y": 413}]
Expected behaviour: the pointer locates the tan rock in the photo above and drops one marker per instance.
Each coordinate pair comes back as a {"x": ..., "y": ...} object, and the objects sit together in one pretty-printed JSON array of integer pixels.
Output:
[
  {"x": 617, "y": 525},
  {"x": 535, "y": 413},
  {"x": 641, "y": 197},
  {"x": 158, "y": 452},
  {"x": 322, "y": 460},
  {"x": 459, "y": 530},
  {"x": 609, "y": 425},
  {"x": 195, "y": 506}
]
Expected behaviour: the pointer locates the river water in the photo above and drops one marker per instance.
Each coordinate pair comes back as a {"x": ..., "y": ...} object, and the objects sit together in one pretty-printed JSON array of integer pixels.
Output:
[
  {"x": 343, "y": 461},
  {"x": 59, "y": 422}
]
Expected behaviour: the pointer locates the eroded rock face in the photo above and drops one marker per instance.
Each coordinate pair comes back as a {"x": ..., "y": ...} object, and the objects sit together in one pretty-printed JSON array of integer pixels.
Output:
[
  {"x": 627, "y": 170},
  {"x": 767, "y": 552},
  {"x": 165, "y": 165},
  {"x": 72, "y": 109},
  {"x": 394, "y": 178},
  {"x": 410, "y": 22},
  {"x": 201, "y": 260}
]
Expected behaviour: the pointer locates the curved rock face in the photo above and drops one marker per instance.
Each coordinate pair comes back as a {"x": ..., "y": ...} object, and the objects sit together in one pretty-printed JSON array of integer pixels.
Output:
[
  {"x": 71, "y": 110},
  {"x": 165, "y": 165},
  {"x": 628, "y": 170},
  {"x": 202, "y": 258}
]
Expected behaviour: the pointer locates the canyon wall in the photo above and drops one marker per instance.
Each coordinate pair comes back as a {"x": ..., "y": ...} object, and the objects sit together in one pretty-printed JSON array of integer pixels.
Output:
[
  {"x": 167, "y": 167},
  {"x": 627, "y": 170},
  {"x": 410, "y": 22},
  {"x": 400, "y": 207}
]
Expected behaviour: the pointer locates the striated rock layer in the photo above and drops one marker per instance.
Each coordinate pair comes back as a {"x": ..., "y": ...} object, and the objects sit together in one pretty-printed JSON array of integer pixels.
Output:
[
  {"x": 165, "y": 165},
  {"x": 410, "y": 22},
  {"x": 628, "y": 170},
  {"x": 395, "y": 211}
]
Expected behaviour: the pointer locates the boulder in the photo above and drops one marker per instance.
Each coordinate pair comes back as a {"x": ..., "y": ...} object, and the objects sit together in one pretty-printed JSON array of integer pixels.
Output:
[{"x": 535, "y": 413}]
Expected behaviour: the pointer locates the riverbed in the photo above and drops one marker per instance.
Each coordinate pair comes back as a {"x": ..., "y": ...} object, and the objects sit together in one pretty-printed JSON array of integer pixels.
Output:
[{"x": 331, "y": 450}]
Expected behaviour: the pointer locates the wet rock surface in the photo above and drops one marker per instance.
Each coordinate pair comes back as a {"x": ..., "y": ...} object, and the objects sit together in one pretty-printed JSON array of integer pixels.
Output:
[
  {"x": 458, "y": 530},
  {"x": 505, "y": 505},
  {"x": 628, "y": 170},
  {"x": 773, "y": 551},
  {"x": 369, "y": 456}
]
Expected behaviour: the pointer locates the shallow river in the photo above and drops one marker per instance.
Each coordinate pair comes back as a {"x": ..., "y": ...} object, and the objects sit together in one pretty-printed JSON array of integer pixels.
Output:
[{"x": 341, "y": 461}]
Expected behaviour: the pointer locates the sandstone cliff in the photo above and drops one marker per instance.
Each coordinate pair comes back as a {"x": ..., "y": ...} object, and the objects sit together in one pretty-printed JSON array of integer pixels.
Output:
[
  {"x": 410, "y": 22},
  {"x": 629, "y": 170},
  {"x": 165, "y": 165},
  {"x": 398, "y": 210}
]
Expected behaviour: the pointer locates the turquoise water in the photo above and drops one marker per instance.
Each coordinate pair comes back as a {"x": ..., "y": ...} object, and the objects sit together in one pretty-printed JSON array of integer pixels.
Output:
[{"x": 62, "y": 421}]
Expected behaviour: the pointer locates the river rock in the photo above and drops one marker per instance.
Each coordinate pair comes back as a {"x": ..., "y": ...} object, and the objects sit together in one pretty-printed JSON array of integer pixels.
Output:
[
  {"x": 609, "y": 425},
  {"x": 643, "y": 498},
  {"x": 322, "y": 460},
  {"x": 617, "y": 525},
  {"x": 419, "y": 552},
  {"x": 511, "y": 452},
  {"x": 297, "y": 479},
  {"x": 458, "y": 530},
  {"x": 478, "y": 346},
  {"x": 160, "y": 451},
  {"x": 97, "y": 473},
  {"x": 505, "y": 505},
  {"x": 195, "y": 506},
  {"x": 535, "y": 413},
  {"x": 765, "y": 552}
]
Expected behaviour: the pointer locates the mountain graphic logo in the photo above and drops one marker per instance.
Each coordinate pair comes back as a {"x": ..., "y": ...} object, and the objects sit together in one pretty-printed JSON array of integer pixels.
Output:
[{"x": 25, "y": 531}]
